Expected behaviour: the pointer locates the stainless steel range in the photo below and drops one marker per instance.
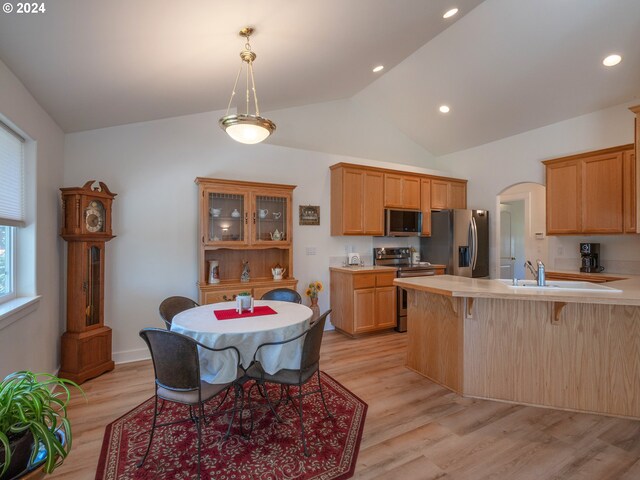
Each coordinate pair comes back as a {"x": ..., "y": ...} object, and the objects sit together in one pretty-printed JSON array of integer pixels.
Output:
[{"x": 401, "y": 259}]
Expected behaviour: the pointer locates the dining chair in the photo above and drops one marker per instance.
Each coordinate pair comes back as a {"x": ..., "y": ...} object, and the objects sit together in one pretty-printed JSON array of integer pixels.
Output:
[
  {"x": 172, "y": 306},
  {"x": 176, "y": 368},
  {"x": 309, "y": 365},
  {"x": 283, "y": 294}
]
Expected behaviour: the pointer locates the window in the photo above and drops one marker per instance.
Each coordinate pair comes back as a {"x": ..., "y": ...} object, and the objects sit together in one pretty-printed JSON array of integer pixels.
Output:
[{"x": 11, "y": 206}]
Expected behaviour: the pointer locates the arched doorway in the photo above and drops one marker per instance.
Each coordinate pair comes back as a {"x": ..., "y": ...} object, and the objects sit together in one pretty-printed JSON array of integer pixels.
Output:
[{"x": 520, "y": 233}]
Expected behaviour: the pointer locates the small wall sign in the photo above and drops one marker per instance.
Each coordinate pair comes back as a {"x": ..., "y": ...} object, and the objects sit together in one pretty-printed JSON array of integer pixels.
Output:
[{"x": 309, "y": 214}]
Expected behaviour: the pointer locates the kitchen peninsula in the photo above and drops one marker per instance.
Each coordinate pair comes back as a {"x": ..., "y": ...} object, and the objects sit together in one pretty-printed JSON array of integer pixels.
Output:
[{"x": 557, "y": 348}]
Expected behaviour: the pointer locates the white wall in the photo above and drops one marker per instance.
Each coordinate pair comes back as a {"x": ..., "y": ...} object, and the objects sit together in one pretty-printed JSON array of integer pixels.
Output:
[
  {"x": 492, "y": 167},
  {"x": 151, "y": 166},
  {"x": 33, "y": 342}
]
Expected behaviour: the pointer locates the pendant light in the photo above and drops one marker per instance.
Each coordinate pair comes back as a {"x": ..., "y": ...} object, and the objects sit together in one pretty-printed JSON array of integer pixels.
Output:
[{"x": 244, "y": 127}]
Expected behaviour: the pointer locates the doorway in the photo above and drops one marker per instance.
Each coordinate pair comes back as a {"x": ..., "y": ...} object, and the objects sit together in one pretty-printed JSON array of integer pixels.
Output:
[
  {"x": 520, "y": 233},
  {"x": 512, "y": 255}
]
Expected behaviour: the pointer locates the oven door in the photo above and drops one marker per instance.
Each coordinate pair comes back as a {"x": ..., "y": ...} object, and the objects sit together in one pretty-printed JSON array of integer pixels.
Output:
[{"x": 402, "y": 297}]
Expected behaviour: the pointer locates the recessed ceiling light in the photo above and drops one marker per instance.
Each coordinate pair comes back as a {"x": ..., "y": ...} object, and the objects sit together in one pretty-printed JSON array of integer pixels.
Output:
[
  {"x": 378, "y": 68},
  {"x": 612, "y": 60},
  {"x": 450, "y": 13},
  {"x": 444, "y": 109}
]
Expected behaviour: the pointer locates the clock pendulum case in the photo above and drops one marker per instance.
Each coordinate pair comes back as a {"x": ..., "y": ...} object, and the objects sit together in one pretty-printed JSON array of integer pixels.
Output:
[{"x": 86, "y": 345}]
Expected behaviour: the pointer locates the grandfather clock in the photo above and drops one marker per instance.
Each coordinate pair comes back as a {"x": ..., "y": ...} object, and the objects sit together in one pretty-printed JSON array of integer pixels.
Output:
[{"x": 86, "y": 345}]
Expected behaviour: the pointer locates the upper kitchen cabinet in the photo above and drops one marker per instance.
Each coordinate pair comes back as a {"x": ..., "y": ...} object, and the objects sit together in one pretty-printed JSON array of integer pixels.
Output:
[
  {"x": 425, "y": 206},
  {"x": 401, "y": 191},
  {"x": 591, "y": 192},
  {"x": 356, "y": 201},
  {"x": 448, "y": 194},
  {"x": 359, "y": 195}
]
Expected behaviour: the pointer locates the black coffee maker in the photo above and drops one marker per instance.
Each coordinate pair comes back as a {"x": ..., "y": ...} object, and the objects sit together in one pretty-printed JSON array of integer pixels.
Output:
[{"x": 589, "y": 253}]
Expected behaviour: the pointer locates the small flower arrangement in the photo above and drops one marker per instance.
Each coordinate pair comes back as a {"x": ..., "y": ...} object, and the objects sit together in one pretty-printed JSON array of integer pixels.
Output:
[{"x": 314, "y": 289}]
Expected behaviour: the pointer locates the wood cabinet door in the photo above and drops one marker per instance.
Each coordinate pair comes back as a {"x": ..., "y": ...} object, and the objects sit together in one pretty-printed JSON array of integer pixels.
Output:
[
  {"x": 457, "y": 195},
  {"x": 386, "y": 307},
  {"x": 225, "y": 216},
  {"x": 439, "y": 194},
  {"x": 411, "y": 192},
  {"x": 392, "y": 190},
  {"x": 629, "y": 191},
  {"x": 602, "y": 194},
  {"x": 563, "y": 197},
  {"x": 373, "y": 208},
  {"x": 425, "y": 206},
  {"x": 352, "y": 202},
  {"x": 364, "y": 302}
]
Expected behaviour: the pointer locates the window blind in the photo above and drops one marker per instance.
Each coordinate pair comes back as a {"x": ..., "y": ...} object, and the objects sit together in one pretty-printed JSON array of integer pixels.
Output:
[{"x": 11, "y": 177}]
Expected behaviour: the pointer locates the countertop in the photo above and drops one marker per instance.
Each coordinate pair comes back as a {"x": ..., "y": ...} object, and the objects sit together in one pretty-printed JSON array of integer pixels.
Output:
[
  {"x": 453, "y": 286},
  {"x": 378, "y": 268},
  {"x": 366, "y": 268}
]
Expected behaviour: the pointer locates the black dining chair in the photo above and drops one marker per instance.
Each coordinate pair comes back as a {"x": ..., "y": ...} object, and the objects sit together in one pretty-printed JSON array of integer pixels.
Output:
[
  {"x": 283, "y": 294},
  {"x": 176, "y": 367},
  {"x": 309, "y": 365},
  {"x": 172, "y": 306}
]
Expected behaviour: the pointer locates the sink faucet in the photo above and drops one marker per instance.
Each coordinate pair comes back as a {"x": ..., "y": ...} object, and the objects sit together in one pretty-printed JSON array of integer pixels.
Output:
[{"x": 538, "y": 274}]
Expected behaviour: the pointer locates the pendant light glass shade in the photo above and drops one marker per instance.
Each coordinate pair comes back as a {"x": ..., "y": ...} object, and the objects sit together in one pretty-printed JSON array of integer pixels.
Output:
[{"x": 247, "y": 128}]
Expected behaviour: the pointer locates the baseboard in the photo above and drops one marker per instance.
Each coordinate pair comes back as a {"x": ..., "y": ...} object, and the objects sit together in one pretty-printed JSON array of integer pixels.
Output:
[{"x": 131, "y": 355}]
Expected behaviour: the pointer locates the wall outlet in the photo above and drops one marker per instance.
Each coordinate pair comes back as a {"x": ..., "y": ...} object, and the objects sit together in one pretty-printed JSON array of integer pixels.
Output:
[
  {"x": 560, "y": 250},
  {"x": 311, "y": 250}
]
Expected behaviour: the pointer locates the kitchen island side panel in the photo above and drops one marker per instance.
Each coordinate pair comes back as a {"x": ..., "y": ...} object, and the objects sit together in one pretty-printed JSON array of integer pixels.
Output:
[{"x": 435, "y": 338}]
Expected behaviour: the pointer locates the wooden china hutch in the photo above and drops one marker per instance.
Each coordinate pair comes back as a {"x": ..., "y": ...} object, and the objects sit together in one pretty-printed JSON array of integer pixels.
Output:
[{"x": 244, "y": 222}]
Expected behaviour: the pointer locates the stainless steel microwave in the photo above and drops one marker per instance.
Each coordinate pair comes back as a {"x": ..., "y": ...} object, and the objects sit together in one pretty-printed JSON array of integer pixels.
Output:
[{"x": 402, "y": 223}]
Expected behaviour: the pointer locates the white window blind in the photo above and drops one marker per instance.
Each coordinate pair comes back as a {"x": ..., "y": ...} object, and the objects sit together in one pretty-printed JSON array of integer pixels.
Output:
[{"x": 11, "y": 177}]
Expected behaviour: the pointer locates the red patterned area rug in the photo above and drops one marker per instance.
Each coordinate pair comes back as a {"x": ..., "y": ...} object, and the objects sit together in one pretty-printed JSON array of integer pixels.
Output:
[{"x": 274, "y": 450}]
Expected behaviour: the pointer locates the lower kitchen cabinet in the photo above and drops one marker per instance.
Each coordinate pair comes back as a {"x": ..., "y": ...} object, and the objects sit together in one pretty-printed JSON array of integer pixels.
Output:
[
  {"x": 363, "y": 299},
  {"x": 227, "y": 291}
]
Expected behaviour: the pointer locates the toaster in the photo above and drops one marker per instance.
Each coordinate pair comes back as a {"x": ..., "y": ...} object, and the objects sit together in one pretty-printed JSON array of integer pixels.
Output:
[{"x": 353, "y": 259}]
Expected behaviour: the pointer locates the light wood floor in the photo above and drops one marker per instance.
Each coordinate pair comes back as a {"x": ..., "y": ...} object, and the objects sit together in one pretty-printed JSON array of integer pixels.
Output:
[{"x": 415, "y": 429}]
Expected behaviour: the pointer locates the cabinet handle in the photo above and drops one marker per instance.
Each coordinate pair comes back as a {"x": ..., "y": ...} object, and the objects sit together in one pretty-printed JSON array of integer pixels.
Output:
[
  {"x": 246, "y": 218},
  {"x": 85, "y": 285},
  {"x": 254, "y": 218}
]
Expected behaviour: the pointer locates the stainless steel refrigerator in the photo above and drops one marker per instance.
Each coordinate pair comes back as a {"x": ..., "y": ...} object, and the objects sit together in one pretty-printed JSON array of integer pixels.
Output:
[{"x": 460, "y": 240}]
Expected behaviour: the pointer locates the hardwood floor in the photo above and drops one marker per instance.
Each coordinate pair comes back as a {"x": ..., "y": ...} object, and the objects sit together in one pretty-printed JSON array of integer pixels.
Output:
[{"x": 415, "y": 429}]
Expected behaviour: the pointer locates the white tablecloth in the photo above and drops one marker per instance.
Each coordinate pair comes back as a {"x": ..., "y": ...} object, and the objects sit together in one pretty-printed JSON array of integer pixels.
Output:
[{"x": 246, "y": 334}]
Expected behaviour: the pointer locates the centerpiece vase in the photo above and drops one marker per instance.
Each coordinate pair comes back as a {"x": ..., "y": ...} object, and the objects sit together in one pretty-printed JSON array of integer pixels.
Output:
[{"x": 315, "y": 308}]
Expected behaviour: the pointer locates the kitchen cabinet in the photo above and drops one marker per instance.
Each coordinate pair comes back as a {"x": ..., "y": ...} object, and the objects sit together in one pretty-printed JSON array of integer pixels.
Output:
[
  {"x": 447, "y": 194},
  {"x": 401, "y": 191},
  {"x": 243, "y": 222},
  {"x": 363, "y": 300},
  {"x": 425, "y": 206},
  {"x": 591, "y": 192},
  {"x": 356, "y": 201},
  {"x": 359, "y": 195}
]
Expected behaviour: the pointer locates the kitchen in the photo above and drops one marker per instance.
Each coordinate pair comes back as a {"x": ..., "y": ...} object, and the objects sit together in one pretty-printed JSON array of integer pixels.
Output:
[{"x": 151, "y": 162}]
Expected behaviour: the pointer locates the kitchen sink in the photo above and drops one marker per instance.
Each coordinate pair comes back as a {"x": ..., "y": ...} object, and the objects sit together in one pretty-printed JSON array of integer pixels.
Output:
[{"x": 555, "y": 285}]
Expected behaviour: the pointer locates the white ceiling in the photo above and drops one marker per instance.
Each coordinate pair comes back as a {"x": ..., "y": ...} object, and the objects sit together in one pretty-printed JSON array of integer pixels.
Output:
[{"x": 505, "y": 67}]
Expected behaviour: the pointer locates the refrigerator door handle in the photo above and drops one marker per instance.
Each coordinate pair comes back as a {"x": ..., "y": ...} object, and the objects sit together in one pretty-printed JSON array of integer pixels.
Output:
[{"x": 474, "y": 254}]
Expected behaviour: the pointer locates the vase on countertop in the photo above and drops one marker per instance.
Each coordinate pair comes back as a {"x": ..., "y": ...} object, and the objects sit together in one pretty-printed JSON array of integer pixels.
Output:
[{"x": 315, "y": 308}]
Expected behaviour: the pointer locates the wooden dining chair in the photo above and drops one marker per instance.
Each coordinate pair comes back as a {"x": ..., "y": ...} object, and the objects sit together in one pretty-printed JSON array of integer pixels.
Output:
[
  {"x": 309, "y": 365},
  {"x": 176, "y": 366},
  {"x": 283, "y": 294},
  {"x": 172, "y": 306}
]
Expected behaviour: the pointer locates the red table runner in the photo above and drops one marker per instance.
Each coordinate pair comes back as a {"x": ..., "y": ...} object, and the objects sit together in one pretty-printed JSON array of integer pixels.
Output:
[{"x": 231, "y": 313}]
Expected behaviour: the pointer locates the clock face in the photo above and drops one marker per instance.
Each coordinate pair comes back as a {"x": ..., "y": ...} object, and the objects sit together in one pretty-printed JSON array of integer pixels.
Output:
[{"x": 94, "y": 217}]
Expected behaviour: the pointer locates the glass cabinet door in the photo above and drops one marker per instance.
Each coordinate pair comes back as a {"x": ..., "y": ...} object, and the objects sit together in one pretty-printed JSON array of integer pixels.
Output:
[
  {"x": 271, "y": 218},
  {"x": 227, "y": 218}
]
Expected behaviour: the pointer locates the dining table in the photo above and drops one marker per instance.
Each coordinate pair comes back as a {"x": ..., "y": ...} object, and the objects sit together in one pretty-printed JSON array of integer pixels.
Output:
[{"x": 246, "y": 334}]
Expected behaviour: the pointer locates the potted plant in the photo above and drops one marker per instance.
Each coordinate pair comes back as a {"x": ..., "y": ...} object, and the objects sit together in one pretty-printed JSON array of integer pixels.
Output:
[
  {"x": 245, "y": 300},
  {"x": 33, "y": 411}
]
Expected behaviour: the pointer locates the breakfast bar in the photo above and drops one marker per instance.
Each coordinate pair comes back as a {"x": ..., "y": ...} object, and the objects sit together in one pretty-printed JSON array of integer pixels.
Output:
[{"x": 570, "y": 346}]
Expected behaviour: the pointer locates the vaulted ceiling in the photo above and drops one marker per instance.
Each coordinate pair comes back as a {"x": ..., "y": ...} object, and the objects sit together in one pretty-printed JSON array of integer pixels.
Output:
[{"x": 503, "y": 66}]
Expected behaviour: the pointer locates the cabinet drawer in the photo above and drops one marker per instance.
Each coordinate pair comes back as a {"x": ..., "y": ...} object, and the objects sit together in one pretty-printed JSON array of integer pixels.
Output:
[
  {"x": 365, "y": 280},
  {"x": 385, "y": 279},
  {"x": 221, "y": 296}
]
